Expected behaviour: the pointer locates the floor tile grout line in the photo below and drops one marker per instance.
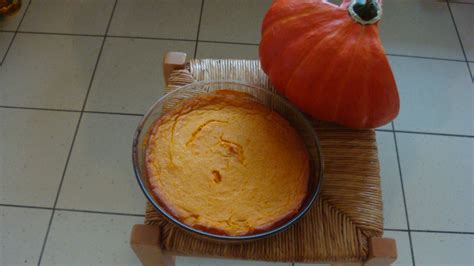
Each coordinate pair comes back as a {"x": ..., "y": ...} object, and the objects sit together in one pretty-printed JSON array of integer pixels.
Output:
[
  {"x": 138, "y": 114},
  {"x": 464, "y": 3},
  {"x": 113, "y": 113},
  {"x": 75, "y": 135},
  {"x": 67, "y": 110},
  {"x": 150, "y": 38},
  {"x": 434, "y": 134},
  {"x": 442, "y": 232},
  {"x": 382, "y": 130},
  {"x": 216, "y": 42},
  {"x": 459, "y": 37},
  {"x": 100, "y": 212},
  {"x": 8, "y": 48},
  {"x": 61, "y": 33},
  {"x": 39, "y": 109},
  {"x": 395, "y": 230},
  {"x": 429, "y": 231},
  {"x": 98, "y": 57},
  {"x": 198, "y": 29},
  {"x": 25, "y": 206},
  {"x": 72, "y": 210},
  {"x": 99, "y": 35},
  {"x": 234, "y": 43},
  {"x": 424, "y": 133},
  {"x": 15, "y": 33},
  {"x": 403, "y": 194},
  {"x": 426, "y": 57},
  {"x": 142, "y": 215},
  {"x": 59, "y": 188}
]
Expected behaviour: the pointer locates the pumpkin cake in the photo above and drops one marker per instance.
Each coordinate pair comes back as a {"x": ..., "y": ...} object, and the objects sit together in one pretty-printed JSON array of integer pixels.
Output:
[{"x": 226, "y": 164}]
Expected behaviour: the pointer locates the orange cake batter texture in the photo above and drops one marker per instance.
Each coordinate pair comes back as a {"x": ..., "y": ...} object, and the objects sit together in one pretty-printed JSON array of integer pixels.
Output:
[{"x": 226, "y": 164}]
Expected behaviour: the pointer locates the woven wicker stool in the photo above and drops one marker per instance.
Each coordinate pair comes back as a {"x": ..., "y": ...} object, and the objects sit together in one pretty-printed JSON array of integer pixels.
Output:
[{"x": 345, "y": 225}]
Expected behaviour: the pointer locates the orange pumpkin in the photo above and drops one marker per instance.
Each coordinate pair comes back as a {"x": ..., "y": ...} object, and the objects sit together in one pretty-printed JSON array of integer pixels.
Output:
[{"x": 329, "y": 61}]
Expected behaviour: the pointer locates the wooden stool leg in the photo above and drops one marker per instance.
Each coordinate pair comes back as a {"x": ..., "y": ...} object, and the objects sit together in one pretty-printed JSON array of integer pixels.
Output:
[
  {"x": 145, "y": 242},
  {"x": 172, "y": 61},
  {"x": 382, "y": 251}
]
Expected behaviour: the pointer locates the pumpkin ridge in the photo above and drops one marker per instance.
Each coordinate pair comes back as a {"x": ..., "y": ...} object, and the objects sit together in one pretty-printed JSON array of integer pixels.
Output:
[
  {"x": 318, "y": 45},
  {"x": 282, "y": 12},
  {"x": 390, "y": 85},
  {"x": 370, "y": 103},
  {"x": 365, "y": 94},
  {"x": 286, "y": 19},
  {"x": 325, "y": 75},
  {"x": 307, "y": 35},
  {"x": 381, "y": 93},
  {"x": 293, "y": 17},
  {"x": 356, "y": 103},
  {"x": 343, "y": 83},
  {"x": 300, "y": 38}
]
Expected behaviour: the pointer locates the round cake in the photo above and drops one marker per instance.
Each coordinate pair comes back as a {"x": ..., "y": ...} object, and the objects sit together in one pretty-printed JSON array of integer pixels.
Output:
[{"x": 226, "y": 164}]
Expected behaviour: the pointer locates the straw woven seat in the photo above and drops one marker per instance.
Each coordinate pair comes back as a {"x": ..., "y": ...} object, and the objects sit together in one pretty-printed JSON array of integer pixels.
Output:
[{"x": 344, "y": 225}]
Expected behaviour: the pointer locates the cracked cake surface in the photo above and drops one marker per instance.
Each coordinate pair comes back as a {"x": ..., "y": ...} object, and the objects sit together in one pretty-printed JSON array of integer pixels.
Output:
[{"x": 226, "y": 164}]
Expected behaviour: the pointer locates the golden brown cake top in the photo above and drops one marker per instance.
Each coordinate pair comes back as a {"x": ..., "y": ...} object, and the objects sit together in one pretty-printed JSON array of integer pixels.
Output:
[{"x": 226, "y": 164}]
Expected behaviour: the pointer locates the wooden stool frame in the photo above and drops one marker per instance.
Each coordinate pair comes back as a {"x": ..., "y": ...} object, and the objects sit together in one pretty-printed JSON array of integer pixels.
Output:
[{"x": 145, "y": 239}]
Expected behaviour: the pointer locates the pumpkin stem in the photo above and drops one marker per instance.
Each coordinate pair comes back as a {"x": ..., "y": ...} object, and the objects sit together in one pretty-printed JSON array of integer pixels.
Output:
[{"x": 365, "y": 11}]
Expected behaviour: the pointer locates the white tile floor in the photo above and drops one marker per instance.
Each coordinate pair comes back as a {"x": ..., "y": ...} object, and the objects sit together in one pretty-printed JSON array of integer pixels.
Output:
[{"x": 70, "y": 99}]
